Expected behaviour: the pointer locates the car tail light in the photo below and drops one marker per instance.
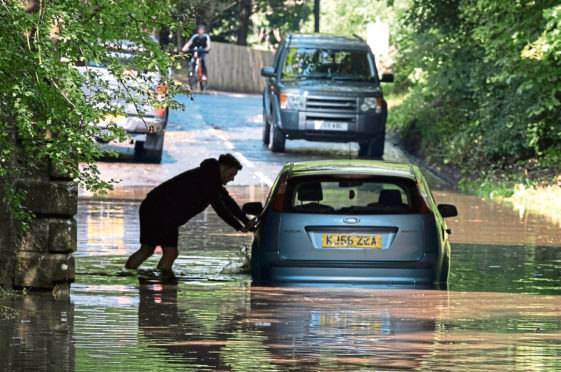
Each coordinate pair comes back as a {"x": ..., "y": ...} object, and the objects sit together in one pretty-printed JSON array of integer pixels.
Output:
[
  {"x": 378, "y": 105},
  {"x": 278, "y": 200},
  {"x": 424, "y": 208},
  {"x": 283, "y": 103},
  {"x": 161, "y": 90}
]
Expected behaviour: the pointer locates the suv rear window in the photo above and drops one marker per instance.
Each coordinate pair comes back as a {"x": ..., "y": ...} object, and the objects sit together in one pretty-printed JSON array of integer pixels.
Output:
[
  {"x": 351, "y": 196},
  {"x": 327, "y": 63}
]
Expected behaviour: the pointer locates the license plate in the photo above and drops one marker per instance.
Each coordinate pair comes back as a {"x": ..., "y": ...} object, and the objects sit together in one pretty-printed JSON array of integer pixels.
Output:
[
  {"x": 330, "y": 125},
  {"x": 351, "y": 241}
]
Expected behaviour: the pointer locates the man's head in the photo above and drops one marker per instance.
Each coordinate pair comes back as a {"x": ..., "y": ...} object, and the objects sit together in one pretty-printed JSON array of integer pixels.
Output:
[
  {"x": 201, "y": 30},
  {"x": 229, "y": 167}
]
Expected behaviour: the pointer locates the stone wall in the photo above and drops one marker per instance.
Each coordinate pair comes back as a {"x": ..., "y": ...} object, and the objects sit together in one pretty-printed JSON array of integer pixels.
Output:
[{"x": 41, "y": 257}]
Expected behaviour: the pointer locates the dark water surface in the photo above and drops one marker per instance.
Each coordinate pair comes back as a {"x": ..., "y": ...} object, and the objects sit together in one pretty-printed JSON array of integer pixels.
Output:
[{"x": 502, "y": 310}]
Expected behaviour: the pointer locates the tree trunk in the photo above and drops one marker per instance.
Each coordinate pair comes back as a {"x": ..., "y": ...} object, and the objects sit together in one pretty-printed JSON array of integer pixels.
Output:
[
  {"x": 243, "y": 28},
  {"x": 316, "y": 15}
]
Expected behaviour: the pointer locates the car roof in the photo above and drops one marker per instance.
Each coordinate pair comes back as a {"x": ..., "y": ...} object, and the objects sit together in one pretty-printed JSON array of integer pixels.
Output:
[
  {"x": 352, "y": 167},
  {"x": 326, "y": 41}
]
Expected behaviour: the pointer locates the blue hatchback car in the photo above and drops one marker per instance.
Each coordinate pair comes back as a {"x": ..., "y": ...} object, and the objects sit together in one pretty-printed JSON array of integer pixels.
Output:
[{"x": 350, "y": 222}]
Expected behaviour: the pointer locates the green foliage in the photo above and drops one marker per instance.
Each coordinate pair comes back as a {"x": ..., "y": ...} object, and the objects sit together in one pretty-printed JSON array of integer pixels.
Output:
[
  {"x": 43, "y": 108},
  {"x": 482, "y": 80},
  {"x": 268, "y": 17},
  {"x": 350, "y": 17}
]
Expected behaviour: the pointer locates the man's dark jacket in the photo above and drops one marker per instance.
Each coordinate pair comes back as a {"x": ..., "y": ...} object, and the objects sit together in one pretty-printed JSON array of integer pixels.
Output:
[{"x": 178, "y": 199}]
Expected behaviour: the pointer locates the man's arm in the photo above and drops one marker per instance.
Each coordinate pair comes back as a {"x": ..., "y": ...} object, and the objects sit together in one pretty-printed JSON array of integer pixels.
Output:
[
  {"x": 188, "y": 45},
  {"x": 232, "y": 205},
  {"x": 224, "y": 212}
]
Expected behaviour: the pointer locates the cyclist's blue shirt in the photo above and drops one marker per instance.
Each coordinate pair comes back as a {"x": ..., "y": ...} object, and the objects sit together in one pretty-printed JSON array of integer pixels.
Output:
[{"x": 199, "y": 41}]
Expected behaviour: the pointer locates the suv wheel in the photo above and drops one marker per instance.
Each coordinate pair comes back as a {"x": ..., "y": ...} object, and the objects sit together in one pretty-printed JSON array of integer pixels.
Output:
[
  {"x": 147, "y": 156},
  {"x": 266, "y": 129},
  {"x": 276, "y": 139},
  {"x": 373, "y": 149}
]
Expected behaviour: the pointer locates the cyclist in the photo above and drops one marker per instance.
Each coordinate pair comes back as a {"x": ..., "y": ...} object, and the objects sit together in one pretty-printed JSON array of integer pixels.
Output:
[{"x": 199, "y": 40}]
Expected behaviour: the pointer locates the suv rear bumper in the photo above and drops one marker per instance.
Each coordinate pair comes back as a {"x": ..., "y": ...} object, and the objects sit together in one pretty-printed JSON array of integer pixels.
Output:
[
  {"x": 136, "y": 124},
  {"x": 360, "y": 127}
]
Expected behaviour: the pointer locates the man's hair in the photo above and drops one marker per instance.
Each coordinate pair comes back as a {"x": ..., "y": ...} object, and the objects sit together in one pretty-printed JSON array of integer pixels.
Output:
[
  {"x": 201, "y": 26},
  {"x": 229, "y": 160}
]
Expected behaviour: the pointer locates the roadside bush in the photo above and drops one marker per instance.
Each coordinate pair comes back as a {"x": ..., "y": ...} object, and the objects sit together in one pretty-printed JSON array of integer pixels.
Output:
[{"x": 482, "y": 84}]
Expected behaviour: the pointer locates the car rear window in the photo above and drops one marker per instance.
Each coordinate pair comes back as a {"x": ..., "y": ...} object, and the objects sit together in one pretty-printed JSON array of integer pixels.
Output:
[
  {"x": 351, "y": 196},
  {"x": 327, "y": 63}
]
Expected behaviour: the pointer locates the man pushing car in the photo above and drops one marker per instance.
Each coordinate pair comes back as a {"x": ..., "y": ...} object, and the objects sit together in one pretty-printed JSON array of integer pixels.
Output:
[{"x": 177, "y": 200}]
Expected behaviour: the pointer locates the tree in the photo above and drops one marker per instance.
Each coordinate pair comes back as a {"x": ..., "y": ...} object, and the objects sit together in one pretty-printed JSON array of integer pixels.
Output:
[
  {"x": 485, "y": 80},
  {"x": 44, "y": 113}
]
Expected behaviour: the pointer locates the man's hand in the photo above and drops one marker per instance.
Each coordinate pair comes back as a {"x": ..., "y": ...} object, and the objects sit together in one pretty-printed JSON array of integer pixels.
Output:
[{"x": 250, "y": 225}]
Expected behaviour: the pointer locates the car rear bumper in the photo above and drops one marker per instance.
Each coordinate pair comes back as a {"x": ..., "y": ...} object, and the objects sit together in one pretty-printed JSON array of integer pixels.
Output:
[
  {"x": 276, "y": 271},
  {"x": 406, "y": 277}
]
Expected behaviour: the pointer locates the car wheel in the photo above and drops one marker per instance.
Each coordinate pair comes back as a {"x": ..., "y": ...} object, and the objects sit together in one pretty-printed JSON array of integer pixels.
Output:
[
  {"x": 373, "y": 149},
  {"x": 147, "y": 156},
  {"x": 277, "y": 139},
  {"x": 266, "y": 129}
]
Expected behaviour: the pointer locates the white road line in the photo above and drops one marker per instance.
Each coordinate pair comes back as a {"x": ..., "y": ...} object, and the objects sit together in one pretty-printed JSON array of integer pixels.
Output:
[
  {"x": 266, "y": 180},
  {"x": 244, "y": 160}
]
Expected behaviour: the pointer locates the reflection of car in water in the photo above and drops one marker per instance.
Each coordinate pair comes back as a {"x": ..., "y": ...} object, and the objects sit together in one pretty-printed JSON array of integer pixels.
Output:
[
  {"x": 347, "y": 330},
  {"x": 144, "y": 122},
  {"x": 324, "y": 88},
  {"x": 350, "y": 221}
]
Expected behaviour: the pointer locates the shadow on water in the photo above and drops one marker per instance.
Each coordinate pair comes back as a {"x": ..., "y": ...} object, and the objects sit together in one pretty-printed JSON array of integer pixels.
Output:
[{"x": 502, "y": 310}]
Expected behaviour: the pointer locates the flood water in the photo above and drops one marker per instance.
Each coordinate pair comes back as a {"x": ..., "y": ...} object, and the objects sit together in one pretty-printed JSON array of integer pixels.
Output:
[{"x": 502, "y": 310}]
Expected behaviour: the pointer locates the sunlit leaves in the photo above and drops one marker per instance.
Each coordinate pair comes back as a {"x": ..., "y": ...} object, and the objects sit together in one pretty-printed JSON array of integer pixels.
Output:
[{"x": 42, "y": 101}]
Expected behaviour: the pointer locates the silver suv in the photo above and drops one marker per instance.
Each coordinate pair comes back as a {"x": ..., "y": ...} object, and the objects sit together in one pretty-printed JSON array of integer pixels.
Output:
[
  {"x": 144, "y": 123},
  {"x": 325, "y": 88}
]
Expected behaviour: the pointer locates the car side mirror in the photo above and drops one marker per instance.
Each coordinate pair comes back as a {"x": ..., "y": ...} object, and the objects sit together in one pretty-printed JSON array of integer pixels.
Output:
[
  {"x": 253, "y": 208},
  {"x": 447, "y": 210},
  {"x": 387, "y": 78},
  {"x": 268, "y": 72}
]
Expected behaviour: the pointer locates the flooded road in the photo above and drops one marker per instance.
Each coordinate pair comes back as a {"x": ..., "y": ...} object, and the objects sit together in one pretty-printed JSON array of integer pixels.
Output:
[{"x": 502, "y": 310}]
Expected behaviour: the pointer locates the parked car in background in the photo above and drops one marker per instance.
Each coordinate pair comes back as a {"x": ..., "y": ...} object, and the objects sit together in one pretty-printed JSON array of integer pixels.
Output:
[
  {"x": 350, "y": 222},
  {"x": 324, "y": 88},
  {"x": 145, "y": 123}
]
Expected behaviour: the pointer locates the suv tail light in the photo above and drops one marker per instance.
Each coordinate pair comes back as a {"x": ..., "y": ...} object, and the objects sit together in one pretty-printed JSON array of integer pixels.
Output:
[{"x": 161, "y": 90}]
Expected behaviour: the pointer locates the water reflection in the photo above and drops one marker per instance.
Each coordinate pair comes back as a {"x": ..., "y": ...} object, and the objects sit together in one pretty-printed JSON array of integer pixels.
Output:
[
  {"x": 251, "y": 328},
  {"x": 36, "y": 333}
]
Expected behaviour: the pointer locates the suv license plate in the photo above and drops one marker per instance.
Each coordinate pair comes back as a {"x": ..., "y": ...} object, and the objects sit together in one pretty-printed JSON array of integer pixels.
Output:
[
  {"x": 351, "y": 241},
  {"x": 330, "y": 125}
]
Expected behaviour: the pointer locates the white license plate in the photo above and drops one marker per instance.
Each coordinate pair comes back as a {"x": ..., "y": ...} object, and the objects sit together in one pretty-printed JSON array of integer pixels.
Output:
[{"x": 330, "y": 125}]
